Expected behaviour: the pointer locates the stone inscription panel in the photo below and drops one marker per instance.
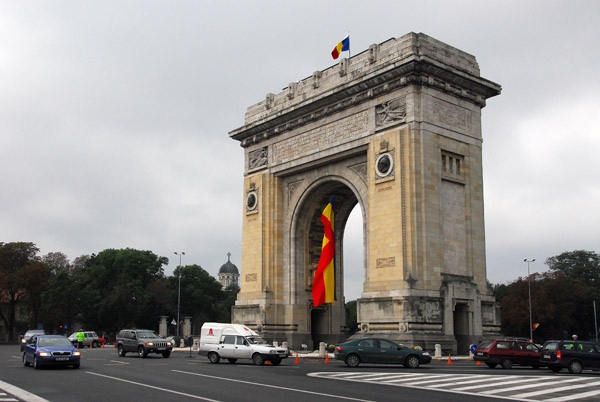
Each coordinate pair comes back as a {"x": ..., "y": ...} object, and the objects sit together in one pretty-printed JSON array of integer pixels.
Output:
[
  {"x": 451, "y": 115},
  {"x": 386, "y": 262},
  {"x": 320, "y": 138}
]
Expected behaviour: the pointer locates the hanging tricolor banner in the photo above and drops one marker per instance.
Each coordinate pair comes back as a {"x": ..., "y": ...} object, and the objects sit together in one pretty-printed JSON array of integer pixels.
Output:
[
  {"x": 343, "y": 46},
  {"x": 534, "y": 326},
  {"x": 323, "y": 288}
]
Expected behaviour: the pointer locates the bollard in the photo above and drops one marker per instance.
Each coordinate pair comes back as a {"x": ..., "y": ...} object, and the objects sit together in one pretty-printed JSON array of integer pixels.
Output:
[
  {"x": 322, "y": 349},
  {"x": 438, "y": 350}
]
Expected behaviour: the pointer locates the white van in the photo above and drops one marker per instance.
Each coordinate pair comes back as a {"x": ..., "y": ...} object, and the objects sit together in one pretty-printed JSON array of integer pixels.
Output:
[{"x": 235, "y": 341}]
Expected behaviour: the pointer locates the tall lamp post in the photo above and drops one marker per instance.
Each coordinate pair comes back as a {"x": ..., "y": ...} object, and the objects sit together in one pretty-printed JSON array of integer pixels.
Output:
[
  {"x": 529, "y": 285},
  {"x": 179, "y": 289}
]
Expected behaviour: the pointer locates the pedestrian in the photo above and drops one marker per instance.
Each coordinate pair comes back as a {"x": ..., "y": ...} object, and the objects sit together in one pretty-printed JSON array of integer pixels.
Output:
[
  {"x": 80, "y": 338},
  {"x": 574, "y": 337}
]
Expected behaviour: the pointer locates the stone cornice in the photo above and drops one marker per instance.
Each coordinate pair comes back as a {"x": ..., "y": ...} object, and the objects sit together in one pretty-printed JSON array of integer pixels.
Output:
[{"x": 415, "y": 68}]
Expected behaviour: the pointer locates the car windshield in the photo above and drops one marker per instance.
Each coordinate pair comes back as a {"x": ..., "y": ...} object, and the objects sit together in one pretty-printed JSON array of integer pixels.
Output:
[
  {"x": 485, "y": 345},
  {"x": 45, "y": 342},
  {"x": 256, "y": 340},
  {"x": 147, "y": 334}
]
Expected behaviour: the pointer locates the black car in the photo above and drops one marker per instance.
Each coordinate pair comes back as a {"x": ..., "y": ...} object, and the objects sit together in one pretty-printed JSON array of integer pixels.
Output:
[
  {"x": 377, "y": 350},
  {"x": 573, "y": 355}
]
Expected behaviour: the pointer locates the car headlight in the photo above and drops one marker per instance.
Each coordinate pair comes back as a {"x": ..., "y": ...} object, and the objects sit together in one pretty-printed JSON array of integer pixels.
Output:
[
  {"x": 425, "y": 354},
  {"x": 149, "y": 344},
  {"x": 76, "y": 353},
  {"x": 23, "y": 341},
  {"x": 169, "y": 344},
  {"x": 43, "y": 354}
]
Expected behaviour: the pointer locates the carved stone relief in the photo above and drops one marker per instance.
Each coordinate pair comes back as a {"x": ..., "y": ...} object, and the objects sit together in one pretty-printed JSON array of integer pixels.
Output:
[
  {"x": 258, "y": 158},
  {"x": 393, "y": 111}
]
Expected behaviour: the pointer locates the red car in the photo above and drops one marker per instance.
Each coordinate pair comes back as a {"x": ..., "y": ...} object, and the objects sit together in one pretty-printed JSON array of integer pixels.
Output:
[{"x": 507, "y": 352}]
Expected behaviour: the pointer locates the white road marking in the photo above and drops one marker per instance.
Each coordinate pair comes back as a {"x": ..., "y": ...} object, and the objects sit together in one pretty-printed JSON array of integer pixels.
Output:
[
  {"x": 274, "y": 386},
  {"x": 21, "y": 393},
  {"x": 551, "y": 390},
  {"x": 171, "y": 391}
]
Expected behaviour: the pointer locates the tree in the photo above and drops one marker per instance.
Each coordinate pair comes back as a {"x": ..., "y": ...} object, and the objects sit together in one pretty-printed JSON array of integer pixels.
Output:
[
  {"x": 13, "y": 257},
  {"x": 579, "y": 266},
  {"x": 114, "y": 288},
  {"x": 201, "y": 294},
  {"x": 57, "y": 262},
  {"x": 33, "y": 280}
]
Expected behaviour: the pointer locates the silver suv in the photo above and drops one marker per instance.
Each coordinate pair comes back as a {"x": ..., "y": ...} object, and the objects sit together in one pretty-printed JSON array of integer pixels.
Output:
[{"x": 142, "y": 342}]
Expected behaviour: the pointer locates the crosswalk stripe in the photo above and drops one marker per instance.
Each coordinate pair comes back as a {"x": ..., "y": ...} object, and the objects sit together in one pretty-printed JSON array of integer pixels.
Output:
[
  {"x": 495, "y": 384},
  {"x": 551, "y": 390},
  {"x": 574, "y": 396},
  {"x": 543, "y": 382}
]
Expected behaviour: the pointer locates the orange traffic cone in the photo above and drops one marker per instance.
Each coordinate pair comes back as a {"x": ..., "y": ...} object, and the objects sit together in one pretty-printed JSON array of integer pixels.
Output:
[
  {"x": 449, "y": 359},
  {"x": 114, "y": 346},
  {"x": 478, "y": 363},
  {"x": 268, "y": 362},
  {"x": 102, "y": 346},
  {"x": 327, "y": 360},
  {"x": 90, "y": 345},
  {"x": 297, "y": 359}
]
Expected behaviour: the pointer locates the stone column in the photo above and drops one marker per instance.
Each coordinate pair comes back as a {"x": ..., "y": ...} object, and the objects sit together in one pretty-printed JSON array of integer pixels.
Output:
[
  {"x": 187, "y": 326},
  {"x": 162, "y": 326}
]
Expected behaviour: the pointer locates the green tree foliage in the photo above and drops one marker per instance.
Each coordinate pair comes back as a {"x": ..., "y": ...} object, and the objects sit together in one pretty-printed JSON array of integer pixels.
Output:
[
  {"x": 33, "y": 280},
  {"x": 351, "y": 317},
  {"x": 13, "y": 258},
  {"x": 114, "y": 288},
  {"x": 201, "y": 295},
  {"x": 562, "y": 298}
]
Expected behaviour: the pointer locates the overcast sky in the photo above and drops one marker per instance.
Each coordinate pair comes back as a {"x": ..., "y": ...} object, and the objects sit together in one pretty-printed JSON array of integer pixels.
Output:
[{"x": 114, "y": 118}]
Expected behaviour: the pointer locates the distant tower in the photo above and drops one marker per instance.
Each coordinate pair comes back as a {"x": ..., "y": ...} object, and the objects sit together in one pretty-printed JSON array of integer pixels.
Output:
[{"x": 228, "y": 273}]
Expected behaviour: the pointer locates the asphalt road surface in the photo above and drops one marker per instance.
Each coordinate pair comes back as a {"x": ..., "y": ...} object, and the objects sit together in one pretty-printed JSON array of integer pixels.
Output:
[{"x": 185, "y": 376}]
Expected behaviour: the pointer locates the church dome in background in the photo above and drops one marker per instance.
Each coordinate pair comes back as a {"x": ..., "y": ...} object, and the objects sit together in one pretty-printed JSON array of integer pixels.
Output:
[{"x": 229, "y": 273}]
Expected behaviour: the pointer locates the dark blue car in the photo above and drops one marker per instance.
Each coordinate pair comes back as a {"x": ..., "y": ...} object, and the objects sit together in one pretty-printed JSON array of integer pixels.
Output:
[{"x": 46, "y": 350}]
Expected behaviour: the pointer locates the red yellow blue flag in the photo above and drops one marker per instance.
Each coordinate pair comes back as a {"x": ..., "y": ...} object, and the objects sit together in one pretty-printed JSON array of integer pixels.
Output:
[
  {"x": 343, "y": 46},
  {"x": 323, "y": 289}
]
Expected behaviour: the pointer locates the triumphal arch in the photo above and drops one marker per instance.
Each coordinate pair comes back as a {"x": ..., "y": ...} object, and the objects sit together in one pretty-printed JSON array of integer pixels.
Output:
[{"x": 395, "y": 130}]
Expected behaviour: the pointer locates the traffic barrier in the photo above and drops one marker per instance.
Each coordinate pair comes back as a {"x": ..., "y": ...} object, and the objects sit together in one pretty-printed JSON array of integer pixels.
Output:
[{"x": 449, "y": 360}]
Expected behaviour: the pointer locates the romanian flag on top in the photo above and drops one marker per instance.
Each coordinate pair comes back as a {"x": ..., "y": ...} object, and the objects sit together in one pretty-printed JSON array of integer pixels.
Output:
[
  {"x": 343, "y": 46},
  {"x": 323, "y": 288},
  {"x": 534, "y": 326}
]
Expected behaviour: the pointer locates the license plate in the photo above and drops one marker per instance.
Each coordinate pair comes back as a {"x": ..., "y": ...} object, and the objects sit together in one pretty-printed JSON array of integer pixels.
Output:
[
  {"x": 479, "y": 353},
  {"x": 60, "y": 359},
  {"x": 161, "y": 349},
  {"x": 546, "y": 356},
  {"x": 282, "y": 355}
]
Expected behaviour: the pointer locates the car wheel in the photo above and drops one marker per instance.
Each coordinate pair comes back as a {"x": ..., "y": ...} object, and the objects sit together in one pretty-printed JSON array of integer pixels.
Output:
[
  {"x": 491, "y": 365},
  {"x": 411, "y": 361},
  {"x": 76, "y": 365},
  {"x": 25, "y": 362},
  {"x": 121, "y": 351},
  {"x": 166, "y": 354},
  {"x": 258, "y": 360},
  {"x": 36, "y": 365},
  {"x": 214, "y": 357},
  {"x": 556, "y": 369},
  {"x": 352, "y": 360},
  {"x": 276, "y": 362},
  {"x": 506, "y": 363},
  {"x": 232, "y": 360},
  {"x": 575, "y": 367},
  {"x": 142, "y": 352}
]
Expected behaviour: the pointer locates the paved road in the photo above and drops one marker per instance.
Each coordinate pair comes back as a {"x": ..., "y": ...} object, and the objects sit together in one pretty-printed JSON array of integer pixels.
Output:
[{"x": 104, "y": 376}]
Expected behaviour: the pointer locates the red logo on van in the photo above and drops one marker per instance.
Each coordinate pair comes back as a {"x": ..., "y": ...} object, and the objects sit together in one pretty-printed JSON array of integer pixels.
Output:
[{"x": 210, "y": 332}]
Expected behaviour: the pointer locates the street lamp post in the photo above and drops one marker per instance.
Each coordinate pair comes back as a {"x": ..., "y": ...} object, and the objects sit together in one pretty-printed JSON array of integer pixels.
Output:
[
  {"x": 179, "y": 289},
  {"x": 529, "y": 285}
]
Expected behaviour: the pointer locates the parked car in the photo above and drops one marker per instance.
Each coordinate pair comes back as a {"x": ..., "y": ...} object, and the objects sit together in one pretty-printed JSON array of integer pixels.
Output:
[
  {"x": 91, "y": 338},
  {"x": 44, "y": 350},
  {"x": 508, "y": 352},
  {"x": 25, "y": 338},
  {"x": 376, "y": 350},
  {"x": 573, "y": 355},
  {"x": 142, "y": 342}
]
